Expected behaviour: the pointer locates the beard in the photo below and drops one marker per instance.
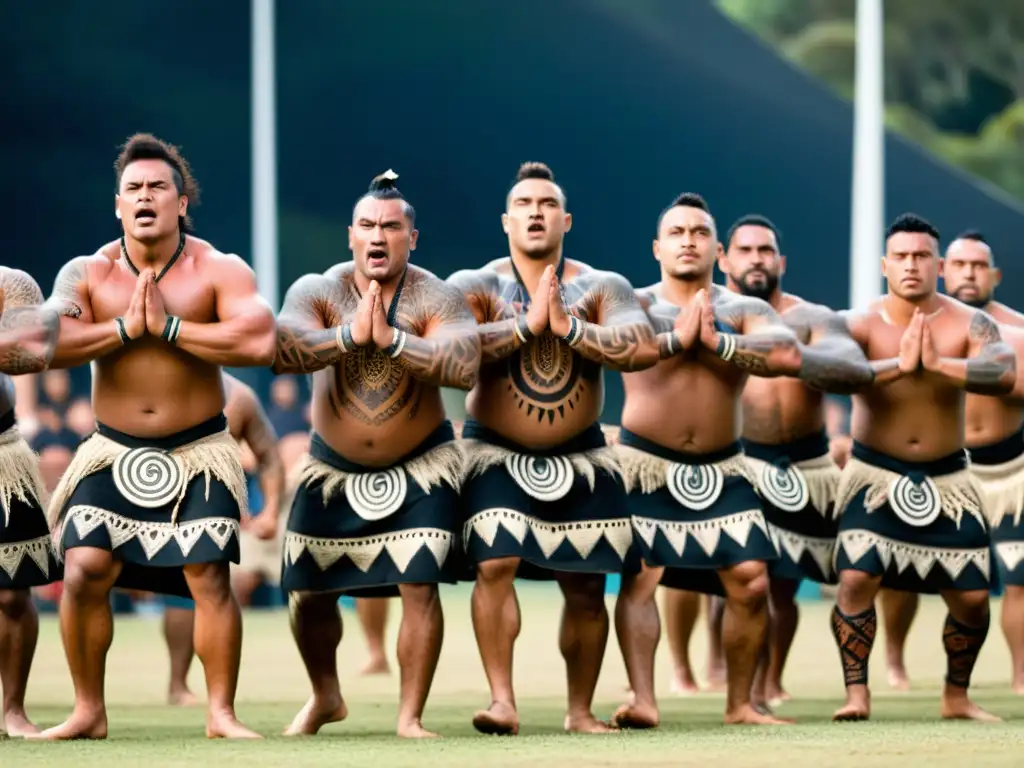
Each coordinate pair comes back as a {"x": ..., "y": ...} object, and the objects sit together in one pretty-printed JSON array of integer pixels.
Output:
[
  {"x": 760, "y": 290},
  {"x": 977, "y": 301}
]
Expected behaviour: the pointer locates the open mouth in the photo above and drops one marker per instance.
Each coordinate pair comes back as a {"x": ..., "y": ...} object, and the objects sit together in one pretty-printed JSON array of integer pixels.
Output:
[
  {"x": 145, "y": 216},
  {"x": 377, "y": 256},
  {"x": 536, "y": 227}
]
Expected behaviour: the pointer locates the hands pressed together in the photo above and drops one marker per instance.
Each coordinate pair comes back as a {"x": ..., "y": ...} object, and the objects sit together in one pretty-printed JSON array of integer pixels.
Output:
[
  {"x": 696, "y": 325},
  {"x": 547, "y": 309},
  {"x": 146, "y": 312},
  {"x": 370, "y": 323},
  {"x": 917, "y": 347}
]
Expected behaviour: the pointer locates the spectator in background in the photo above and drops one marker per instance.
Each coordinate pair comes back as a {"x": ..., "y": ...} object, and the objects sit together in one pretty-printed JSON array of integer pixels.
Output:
[{"x": 287, "y": 412}]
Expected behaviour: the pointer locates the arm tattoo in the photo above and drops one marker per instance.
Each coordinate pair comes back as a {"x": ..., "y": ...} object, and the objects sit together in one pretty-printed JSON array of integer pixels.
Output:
[
  {"x": 625, "y": 340},
  {"x": 993, "y": 371},
  {"x": 449, "y": 354},
  {"x": 304, "y": 343},
  {"x": 497, "y": 323},
  {"x": 66, "y": 298},
  {"x": 28, "y": 330},
  {"x": 770, "y": 350},
  {"x": 831, "y": 360}
]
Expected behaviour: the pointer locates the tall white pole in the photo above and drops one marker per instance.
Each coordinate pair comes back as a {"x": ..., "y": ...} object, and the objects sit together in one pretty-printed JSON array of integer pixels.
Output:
[
  {"x": 264, "y": 152},
  {"x": 868, "y": 204}
]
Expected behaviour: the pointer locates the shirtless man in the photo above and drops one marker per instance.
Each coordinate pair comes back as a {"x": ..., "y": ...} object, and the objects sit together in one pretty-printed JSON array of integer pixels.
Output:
[
  {"x": 691, "y": 492},
  {"x": 376, "y": 512},
  {"x": 542, "y": 496},
  {"x": 153, "y": 498},
  {"x": 28, "y": 336},
  {"x": 911, "y": 514},
  {"x": 248, "y": 424},
  {"x": 785, "y": 441},
  {"x": 995, "y": 435}
]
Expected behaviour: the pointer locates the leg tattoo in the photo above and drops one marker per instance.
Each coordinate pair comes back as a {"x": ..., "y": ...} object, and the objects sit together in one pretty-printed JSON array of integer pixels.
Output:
[
  {"x": 855, "y": 635},
  {"x": 962, "y": 644}
]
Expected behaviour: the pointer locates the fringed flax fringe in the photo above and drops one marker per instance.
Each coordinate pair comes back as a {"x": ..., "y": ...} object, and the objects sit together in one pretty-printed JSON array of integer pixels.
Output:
[
  {"x": 650, "y": 472},
  {"x": 440, "y": 465},
  {"x": 217, "y": 456},
  {"x": 1002, "y": 487},
  {"x": 19, "y": 473},
  {"x": 959, "y": 492},
  {"x": 481, "y": 456},
  {"x": 821, "y": 475}
]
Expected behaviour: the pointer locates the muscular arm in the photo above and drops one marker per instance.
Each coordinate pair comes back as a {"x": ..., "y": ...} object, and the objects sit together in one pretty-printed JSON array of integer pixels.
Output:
[
  {"x": 81, "y": 339},
  {"x": 831, "y": 360},
  {"x": 244, "y": 334},
  {"x": 497, "y": 333},
  {"x": 28, "y": 330},
  {"x": 448, "y": 352},
  {"x": 258, "y": 433},
  {"x": 767, "y": 347},
  {"x": 623, "y": 339},
  {"x": 990, "y": 367},
  {"x": 305, "y": 343}
]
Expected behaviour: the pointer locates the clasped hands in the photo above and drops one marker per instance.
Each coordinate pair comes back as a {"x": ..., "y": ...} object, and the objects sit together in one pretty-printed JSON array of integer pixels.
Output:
[
  {"x": 370, "y": 322},
  {"x": 146, "y": 313},
  {"x": 696, "y": 325},
  {"x": 547, "y": 310},
  {"x": 917, "y": 347}
]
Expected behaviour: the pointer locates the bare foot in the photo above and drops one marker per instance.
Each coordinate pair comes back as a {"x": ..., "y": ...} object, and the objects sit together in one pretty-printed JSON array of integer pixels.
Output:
[
  {"x": 748, "y": 715},
  {"x": 683, "y": 683},
  {"x": 633, "y": 716},
  {"x": 315, "y": 715},
  {"x": 960, "y": 707},
  {"x": 414, "y": 730},
  {"x": 586, "y": 724},
  {"x": 78, "y": 726},
  {"x": 855, "y": 709},
  {"x": 377, "y": 665},
  {"x": 224, "y": 725},
  {"x": 898, "y": 679},
  {"x": 182, "y": 698},
  {"x": 776, "y": 696},
  {"x": 1018, "y": 688},
  {"x": 499, "y": 719},
  {"x": 18, "y": 725}
]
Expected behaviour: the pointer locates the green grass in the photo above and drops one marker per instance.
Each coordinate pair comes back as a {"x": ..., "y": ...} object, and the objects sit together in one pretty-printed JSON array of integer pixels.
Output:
[{"x": 144, "y": 732}]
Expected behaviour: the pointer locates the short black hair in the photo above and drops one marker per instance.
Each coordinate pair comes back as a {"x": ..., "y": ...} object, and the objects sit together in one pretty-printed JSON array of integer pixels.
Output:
[
  {"x": 535, "y": 170},
  {"x": 685, "y": 200},
  {"x": 912, "y": 223},
  {"x": 753, "y": 220},
  {"x": 146, "y": 146},
  {"x": 972, "y": 234},
  {"x": 383, "y": 188}
]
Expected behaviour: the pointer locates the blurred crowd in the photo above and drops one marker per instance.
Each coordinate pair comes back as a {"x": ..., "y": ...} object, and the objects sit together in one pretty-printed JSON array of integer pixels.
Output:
[{"x": 54, "y": 415}]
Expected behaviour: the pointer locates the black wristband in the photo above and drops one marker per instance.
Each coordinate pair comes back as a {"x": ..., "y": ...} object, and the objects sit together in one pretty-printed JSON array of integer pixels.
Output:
[
  {"x": 119, "y": 322},
  {"x": 394, "y": 349},
  {"x": 343, "y": 338},
  {"x": 171, "y": 329},
  {"x": 521, "y": 329}
]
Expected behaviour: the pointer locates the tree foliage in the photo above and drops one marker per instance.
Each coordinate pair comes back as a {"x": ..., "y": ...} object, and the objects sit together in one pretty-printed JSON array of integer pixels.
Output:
[{"x": 936, "y": 52}]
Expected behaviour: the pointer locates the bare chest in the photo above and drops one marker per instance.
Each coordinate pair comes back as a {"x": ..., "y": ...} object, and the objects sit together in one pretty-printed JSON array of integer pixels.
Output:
[
  {"x": 184, "y": 294},
  {"x": 950, "y": 340}
]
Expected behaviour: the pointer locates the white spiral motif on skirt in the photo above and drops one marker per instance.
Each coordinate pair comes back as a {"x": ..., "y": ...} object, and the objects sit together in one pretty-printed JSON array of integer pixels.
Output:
[
  {"x": 545, "y": 478},
  {"x": 916, "y": 505},
  {"x": 148, "y": 477},
  {"x": 784, "y": 489},
  {"x": 695, "y": 486},
  {"x": 375, "y": 495}
]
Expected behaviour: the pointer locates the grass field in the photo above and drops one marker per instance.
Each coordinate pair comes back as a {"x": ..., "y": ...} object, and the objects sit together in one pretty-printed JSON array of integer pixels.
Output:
[{"x": 145, "y": 732}]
